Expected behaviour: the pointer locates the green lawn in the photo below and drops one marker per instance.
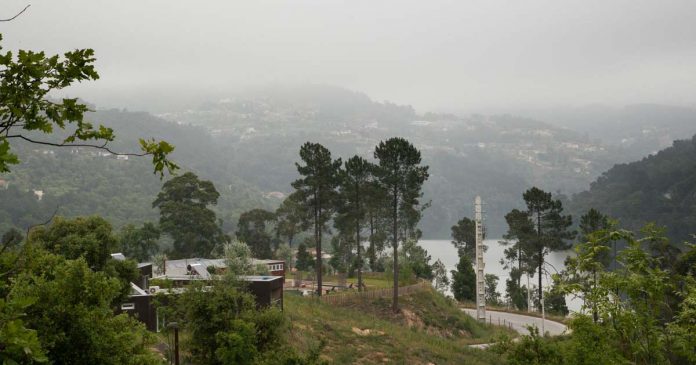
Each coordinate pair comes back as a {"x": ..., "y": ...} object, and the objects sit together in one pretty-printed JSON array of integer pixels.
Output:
[{"x": 429, "y": 328}]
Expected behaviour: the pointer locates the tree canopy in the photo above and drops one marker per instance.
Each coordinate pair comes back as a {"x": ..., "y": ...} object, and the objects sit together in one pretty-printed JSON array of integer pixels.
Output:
[
  {"x": 251, "y": 229},
  {"x": 185, "y": 215},
  {"x": 464, "y": 237}
]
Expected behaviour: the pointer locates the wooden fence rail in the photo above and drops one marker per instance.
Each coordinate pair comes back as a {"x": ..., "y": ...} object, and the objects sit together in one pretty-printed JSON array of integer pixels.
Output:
[{"x": 352, "y": 296}]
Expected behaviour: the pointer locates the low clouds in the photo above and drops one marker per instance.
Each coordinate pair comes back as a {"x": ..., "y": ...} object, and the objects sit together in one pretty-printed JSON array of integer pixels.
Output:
[{"x": 433, "y": 54}]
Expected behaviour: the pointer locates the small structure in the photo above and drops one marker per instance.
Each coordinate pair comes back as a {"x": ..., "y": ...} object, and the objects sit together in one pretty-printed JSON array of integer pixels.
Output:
[
  {"x": 275, "y": 267},
  {"x": 141, "y": 304},
  {"x": 267, "y": 290}
]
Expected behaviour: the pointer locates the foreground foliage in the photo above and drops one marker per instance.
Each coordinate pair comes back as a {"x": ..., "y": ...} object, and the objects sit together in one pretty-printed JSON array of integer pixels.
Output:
[
  {"x": 60, "y": 310},
  {"x": 222, "y": 326},
  {"x": 643, "y": 312},
  {"x": 26, "y": 110}
]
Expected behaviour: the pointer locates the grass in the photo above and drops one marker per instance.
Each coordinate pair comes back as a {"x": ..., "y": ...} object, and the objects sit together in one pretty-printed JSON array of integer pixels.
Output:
[{"x": 429, "y": 329}]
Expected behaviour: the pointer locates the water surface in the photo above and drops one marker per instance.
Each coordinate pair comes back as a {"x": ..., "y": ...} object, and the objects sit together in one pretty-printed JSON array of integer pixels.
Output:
[{"x": 445, "y": 251}]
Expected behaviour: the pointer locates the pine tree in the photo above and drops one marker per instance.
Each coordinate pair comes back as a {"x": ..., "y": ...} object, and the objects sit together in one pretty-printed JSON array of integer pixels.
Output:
[
  {"x": 316, "y": 191},
  {"x": 464, "y": 280},
  {"x": 401, "y": 177},
  {"x": 520, "y": 232},
  {"x": 551, "y": 229},
  {"x": 355, "y": 181}
]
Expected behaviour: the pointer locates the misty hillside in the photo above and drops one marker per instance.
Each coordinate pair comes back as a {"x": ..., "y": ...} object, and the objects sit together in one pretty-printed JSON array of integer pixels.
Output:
[
  {"x": 634, "y": 130},
  {"x": 496, "y": 156},
  {"x": 248, "y": 145},
  {"x": 660, "y": 188}
]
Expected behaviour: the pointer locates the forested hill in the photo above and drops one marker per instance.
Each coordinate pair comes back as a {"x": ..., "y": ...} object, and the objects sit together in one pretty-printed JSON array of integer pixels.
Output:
[
  {"x": 82, "y": 181},
  {"x": 659, "y": 188},
  {"x": 248, "y": 145}
]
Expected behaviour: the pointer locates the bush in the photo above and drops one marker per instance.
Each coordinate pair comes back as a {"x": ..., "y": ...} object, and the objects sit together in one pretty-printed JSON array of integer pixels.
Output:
[{"x": 224, "y": 326}]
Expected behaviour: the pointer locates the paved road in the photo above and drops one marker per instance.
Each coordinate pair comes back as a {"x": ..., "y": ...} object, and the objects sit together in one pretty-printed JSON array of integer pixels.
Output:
[{"x": 519, "y": 321}]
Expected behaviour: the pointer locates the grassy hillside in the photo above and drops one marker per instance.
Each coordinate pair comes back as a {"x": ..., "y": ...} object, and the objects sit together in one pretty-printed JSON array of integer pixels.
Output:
[{"x": 429, "y": 329}]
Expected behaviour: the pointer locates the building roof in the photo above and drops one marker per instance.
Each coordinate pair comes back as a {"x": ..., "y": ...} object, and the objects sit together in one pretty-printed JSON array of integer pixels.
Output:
[
  {"x": 198, "y": 267},
  {"x": 118, "y": 256}
]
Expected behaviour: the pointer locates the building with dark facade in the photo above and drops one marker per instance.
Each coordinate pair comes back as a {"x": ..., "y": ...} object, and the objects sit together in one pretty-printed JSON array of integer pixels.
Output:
[{"x": 145, "y": 300}]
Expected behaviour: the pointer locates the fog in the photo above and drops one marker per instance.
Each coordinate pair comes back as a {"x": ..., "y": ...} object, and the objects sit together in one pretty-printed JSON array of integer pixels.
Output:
[{"x": 434, "y": 55}]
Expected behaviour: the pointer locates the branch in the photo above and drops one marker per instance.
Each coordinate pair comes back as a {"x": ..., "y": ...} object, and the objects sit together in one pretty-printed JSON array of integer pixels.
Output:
[
  {"x": 20, "y": 263},
  {"x": 102, "y": 147},
  {"x": 553, "y": 267},
  {"x": 42, "y": 224},
  {"x": 18, "y": 14}
]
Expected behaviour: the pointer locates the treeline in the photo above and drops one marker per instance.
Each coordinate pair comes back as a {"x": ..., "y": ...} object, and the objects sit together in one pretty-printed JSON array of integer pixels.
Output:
[{"x": 377, "y": 202}]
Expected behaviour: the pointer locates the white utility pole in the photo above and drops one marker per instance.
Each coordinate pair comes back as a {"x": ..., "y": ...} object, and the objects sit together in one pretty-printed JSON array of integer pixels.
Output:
[
  {"x": 543, "y": 314},
  {"x": 480, "y": 278},
  {"x": 529, "y": 297}
]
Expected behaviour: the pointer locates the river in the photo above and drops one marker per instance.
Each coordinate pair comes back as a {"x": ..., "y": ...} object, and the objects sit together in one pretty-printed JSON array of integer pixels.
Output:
[{"x": 445, "y": 251}]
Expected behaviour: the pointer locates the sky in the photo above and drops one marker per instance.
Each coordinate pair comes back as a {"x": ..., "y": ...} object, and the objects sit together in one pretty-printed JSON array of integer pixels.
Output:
[{"x": 435, "y": 55}]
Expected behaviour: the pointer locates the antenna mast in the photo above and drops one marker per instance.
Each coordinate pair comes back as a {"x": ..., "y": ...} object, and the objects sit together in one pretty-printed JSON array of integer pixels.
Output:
[{"x": 480, "y": 279}]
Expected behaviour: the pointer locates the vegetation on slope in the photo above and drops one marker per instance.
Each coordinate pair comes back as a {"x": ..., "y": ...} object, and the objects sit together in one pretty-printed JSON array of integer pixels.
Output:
[
  {"x": 429, "y": 328},
  {"x": 660, "y": 188},
  {"x": 80, "y": 182}
]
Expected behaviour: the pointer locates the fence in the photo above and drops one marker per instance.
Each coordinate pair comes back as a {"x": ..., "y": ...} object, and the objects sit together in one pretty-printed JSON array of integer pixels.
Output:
[{"x": 351, "y": 296}]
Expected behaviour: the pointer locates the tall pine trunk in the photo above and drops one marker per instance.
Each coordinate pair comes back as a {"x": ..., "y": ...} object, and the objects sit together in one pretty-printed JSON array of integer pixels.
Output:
[
  {"x": 395, "y": 243},
  {"x": 357, "y": 237},
  {"x": 595, "y": 315},
  {"x": 541, "y": 266},
  {"x": 373, "y": 254},
  {"x": 541, "y": 259},
  {"x": 317, "y": 241},
  {"x": 519, "y": 267}
]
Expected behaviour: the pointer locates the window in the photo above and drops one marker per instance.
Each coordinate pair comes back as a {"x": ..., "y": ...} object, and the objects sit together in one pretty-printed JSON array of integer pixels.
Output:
[{"x": 127, "y": 306}]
